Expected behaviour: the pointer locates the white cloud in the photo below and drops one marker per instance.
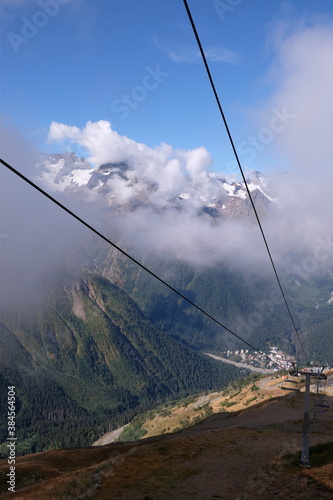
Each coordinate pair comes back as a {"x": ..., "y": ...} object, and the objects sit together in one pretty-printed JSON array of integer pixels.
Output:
[
  {"x": 221, "y": 54},
  {"x": 191, "y": 54},
  {"x": 101, "y": 142},
  {"x": 305, "y": 87},
  {"x": 39, "y": 235},
  {"x": 302, "y": 81},
  {"x": 302, "y": 78},
  {"x": 167, "y": 169},
  {"x": 182, "y": 54},
  {"x": 153, "y": 178},
  {"x": 59, "y": 131}
]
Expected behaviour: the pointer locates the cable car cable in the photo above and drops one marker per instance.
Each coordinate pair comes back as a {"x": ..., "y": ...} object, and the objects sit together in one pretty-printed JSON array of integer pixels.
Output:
[
  {"x": 91, "y": 228},
  {"x": 241, "y": 170}
]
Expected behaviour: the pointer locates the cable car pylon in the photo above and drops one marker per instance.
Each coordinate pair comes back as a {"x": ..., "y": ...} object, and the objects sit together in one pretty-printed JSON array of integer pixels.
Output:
[{"x": 305, "y": 461}]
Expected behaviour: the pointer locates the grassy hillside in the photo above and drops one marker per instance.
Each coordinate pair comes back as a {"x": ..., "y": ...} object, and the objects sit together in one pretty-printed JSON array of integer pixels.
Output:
[
  {"x": 184, "y": 413},
  {"x": 242, "y": 455}
]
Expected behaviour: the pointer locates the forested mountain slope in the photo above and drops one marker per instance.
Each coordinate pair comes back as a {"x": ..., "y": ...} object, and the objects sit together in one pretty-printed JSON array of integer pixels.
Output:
[{"x": 86, "y": 357}]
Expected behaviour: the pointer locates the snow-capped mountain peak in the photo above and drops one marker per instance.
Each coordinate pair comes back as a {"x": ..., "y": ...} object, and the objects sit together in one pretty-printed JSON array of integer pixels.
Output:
[{"x": 121, "y": 185}]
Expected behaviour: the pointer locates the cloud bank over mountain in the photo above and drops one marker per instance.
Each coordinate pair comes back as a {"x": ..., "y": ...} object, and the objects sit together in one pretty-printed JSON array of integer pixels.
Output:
[
  {"x": 169, "y": 170},
  {"x": 168, "y": 200},
  {"x": 37, "y": 236},
  {"x": 302, "y": 78}
]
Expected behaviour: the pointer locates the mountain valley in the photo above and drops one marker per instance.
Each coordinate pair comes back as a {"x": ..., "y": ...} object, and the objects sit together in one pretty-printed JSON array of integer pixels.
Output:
[{"x": 105, "y": 341}]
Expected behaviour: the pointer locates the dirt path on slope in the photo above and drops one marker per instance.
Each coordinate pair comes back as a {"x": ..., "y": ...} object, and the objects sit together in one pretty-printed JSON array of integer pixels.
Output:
[{"x": 110, "y": 437}]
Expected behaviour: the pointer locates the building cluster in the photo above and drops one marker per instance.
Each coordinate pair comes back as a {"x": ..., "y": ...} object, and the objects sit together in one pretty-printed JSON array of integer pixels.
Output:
[{"x": 278, "y": 359}]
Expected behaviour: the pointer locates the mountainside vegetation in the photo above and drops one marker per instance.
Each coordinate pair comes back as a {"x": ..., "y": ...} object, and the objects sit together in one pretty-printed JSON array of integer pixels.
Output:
[
  {"x": 107, "y": 341},
  {"x": 252, "y": 451},
  {"x": 247, "y": 301},
  {"x": 86, "y": 359}
]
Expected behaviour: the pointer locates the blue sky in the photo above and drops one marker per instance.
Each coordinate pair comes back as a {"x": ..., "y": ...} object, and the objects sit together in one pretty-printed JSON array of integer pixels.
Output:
[{"x": 135, "y": 64}]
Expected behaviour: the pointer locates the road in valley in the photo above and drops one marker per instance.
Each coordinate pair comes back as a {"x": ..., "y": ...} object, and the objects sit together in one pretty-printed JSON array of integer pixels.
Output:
[{"x": 241, "y": 365}]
